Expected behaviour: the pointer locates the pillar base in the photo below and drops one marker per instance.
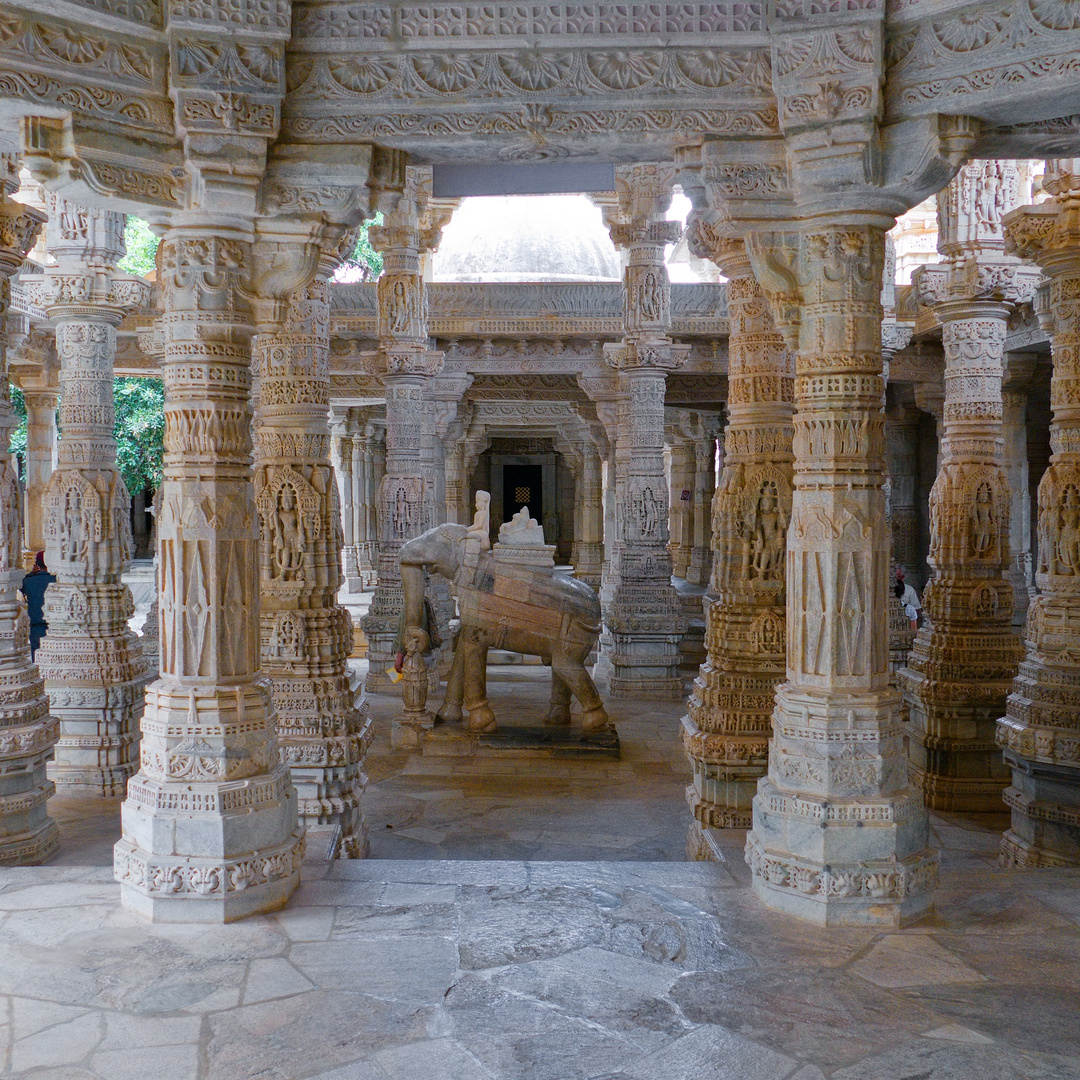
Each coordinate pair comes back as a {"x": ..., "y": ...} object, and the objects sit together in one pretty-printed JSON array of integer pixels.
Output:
[
  {"x": 1045, "y": 803},
  {"x": 409, "y": 733},
  {"x": 35, "y": 846},
  {"x": 701, "y": 845},
  {"x": 885, "y": 893},
  {"x": 207, "y": 852}
]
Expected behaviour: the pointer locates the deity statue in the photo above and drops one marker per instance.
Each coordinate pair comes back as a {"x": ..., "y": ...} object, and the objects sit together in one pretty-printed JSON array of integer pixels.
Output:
[
  {"x": 398, "y": 313},
  {"x": 481, "y": 524},
  {"x": 767, "y": 543},
  {"x": 287, "y": 538},
  {"x": 982, "y": 521},
  {"x": 1068, "y": 538}
]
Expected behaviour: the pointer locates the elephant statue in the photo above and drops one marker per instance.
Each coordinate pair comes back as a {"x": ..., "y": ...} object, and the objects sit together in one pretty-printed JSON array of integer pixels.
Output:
[{"x": 503, "y": 605}]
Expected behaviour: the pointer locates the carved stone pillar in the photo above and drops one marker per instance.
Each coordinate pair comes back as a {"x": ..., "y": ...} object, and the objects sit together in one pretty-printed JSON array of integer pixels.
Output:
[
  {"x": 701, "y": 495},
  {"x": 407, "y": 496},
  {"x": 902, "y": 457},
  {"x": 306, "y": 636},
  {"x": 965, "y": 654},
  {"x": 27, "y": 731},
  {"x": 374, "y": 462},
  {"x": 588, "y": 550},
  {"x": 210, "y": 829},
  {"x": 642, "y": 611},
  {"x": 838, "y": 835},
  {"x": 1040, "y": 732},
  {"x": 92, "y": 663},
  {"x": 343, "y": 458},
  {"x": 681, "y": 451},
  {"x": 726, "y": 730},
  {"x": 40, "y": 453},
  {"x": 358, "y": 485},
  {"x": 1014, "y": 434}
]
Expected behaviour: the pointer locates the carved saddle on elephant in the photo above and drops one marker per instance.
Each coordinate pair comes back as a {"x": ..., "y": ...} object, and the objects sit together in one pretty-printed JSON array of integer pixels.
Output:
[{"x": 499, "y": 597}]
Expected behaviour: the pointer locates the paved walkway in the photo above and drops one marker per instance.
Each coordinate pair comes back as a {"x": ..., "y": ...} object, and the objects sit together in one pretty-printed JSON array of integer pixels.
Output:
[{"x": 533, "y": 966}]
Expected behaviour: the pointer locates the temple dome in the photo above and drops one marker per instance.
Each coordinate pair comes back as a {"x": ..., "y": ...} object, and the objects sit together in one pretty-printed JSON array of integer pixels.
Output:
[{"x": 526, "y": 238}]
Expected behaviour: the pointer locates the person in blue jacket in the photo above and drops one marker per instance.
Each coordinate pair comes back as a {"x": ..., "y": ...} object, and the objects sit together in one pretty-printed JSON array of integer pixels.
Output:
[{"x": 33, "y": 588}]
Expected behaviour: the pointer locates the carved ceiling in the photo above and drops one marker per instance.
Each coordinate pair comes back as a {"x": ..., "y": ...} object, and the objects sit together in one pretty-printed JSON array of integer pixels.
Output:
[{"x": 272, "y": 106}]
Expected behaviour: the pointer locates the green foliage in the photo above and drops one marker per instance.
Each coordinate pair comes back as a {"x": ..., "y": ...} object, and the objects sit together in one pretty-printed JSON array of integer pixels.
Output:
[
  {"x": 365, "y": 263},
  {"x": 140, "y": 431},
  {"x": 18, "y": 436},
  {"x": 142, "y": 247}
]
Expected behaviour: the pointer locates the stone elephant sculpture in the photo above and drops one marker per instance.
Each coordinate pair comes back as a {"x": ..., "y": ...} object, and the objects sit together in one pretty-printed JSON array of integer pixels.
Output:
[{"x": 504, "y": 605}]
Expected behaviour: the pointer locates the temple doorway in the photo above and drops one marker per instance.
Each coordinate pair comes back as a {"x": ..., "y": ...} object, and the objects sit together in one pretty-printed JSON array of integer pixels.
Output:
[{"x": 523, "y": 485}]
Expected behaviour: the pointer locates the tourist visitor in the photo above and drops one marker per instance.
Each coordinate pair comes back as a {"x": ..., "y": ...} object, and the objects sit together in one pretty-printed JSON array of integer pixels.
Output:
[{"x": 33, "y": 588}]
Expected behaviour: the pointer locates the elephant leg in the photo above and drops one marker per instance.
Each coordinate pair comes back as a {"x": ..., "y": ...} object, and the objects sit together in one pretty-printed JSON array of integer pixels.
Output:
[
  {"x": 481, "y": 715},
  {"x": 455, "y": 679},
  {"x": 571, "y": 669},
  {"x": 558, "y": 714}
]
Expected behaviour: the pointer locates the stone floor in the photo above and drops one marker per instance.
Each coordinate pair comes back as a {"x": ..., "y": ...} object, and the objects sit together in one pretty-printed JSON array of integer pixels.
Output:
[
  {"x": 426, "y": 963},
  {"x": 510, "y": 807}
]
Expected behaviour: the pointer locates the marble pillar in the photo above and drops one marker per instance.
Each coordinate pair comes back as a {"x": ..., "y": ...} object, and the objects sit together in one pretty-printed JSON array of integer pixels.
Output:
[
  {"x": 40, "y": 455},
  {"x": 306, "y": 636},
  {"x": 587, "y": 553},
  {"x": 1040, "y": 732},
  {"x": 966, "y": 652},
  {"x": 728, "y": 722},
  {"x": 407, "y": 496},
  {"x": 1014, "y": 435},
  {"x": 902, "y": 456},
  {"x": 210, "y": 829},
  {"x": 681, "y": 451},
  {"x": 343, "y": 466},
  {"x": 27, "y": 731},
  {"x": 92, "y": 663},
  {"x": 839, "y": 836},
  {"x": 699, "y": 567},
  {"x": 642, "y": 613}
]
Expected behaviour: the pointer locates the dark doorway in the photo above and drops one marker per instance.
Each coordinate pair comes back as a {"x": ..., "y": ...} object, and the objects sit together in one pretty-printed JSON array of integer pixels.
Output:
[{"x": 523, "y": 485}]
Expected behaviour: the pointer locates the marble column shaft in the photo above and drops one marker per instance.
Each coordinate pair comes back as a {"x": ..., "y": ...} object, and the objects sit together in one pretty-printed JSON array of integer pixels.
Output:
[
  {"x": 1040, "y": 732},
  {"x": 966, "y": 653},
  {"x": 40, "y": 454},
  {"x": 210, "y": 830},
  {"x": 406, "y": 494},
  {"x": 27, "y": 731},
  {"x": 642, "y": 611},
  {"x": 92, "y": 663},
  {"x": 323, "y": 730},
  {"x": 588, "y": 548},
  {"x": 726, "y": 730},
  {"x": 838, "y": 837},
  {"x": 701, "y": 494}
]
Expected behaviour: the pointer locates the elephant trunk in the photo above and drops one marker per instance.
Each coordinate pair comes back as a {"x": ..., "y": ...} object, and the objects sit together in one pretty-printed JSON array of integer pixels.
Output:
[{"x": 412, "y": 586}]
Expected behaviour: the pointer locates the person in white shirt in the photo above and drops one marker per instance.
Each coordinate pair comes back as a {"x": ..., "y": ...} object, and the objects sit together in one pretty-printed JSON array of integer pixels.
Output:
[{"x": 909, "y": 597}]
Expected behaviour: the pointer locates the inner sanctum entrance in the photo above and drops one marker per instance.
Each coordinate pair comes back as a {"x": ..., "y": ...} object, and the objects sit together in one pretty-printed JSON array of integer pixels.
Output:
[{"x": 523, "y": 485}]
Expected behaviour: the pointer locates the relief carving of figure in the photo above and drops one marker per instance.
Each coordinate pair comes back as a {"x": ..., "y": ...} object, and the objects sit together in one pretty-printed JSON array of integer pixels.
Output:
[
  {"x": 983, "y": 521},
  {"x": 287, "y": 538},
  {"x": 649, "y": 298},
  {"x": 10, "y": 530},
  {"x": 1067, "y": 546},
  {"x": 765, "y": 536},
  {"x": 73, "y": 530},
  {"x": 398, "y": 313},
  {"x": 646, "y": 509}
]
